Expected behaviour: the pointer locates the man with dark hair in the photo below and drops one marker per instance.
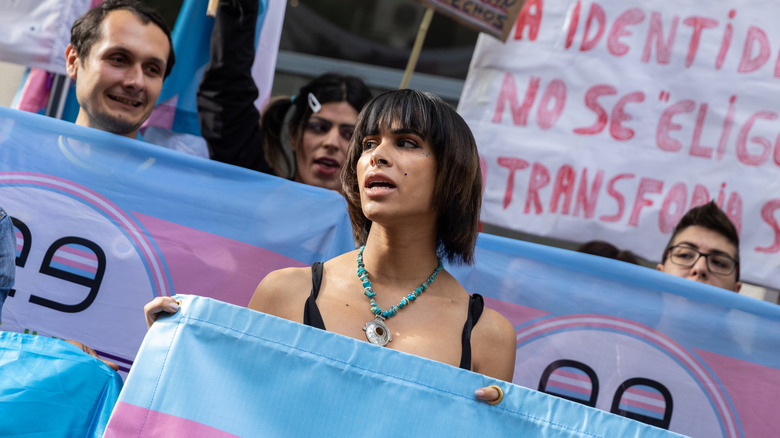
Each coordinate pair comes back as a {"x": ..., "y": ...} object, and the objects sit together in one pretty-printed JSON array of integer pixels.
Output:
[
  {"x": 119, "y": 54},
  {"x": 704, "y": 247}
]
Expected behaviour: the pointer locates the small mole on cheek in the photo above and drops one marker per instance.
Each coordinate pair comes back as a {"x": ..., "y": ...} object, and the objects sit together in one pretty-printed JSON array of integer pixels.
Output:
[{"x": 404, "y": 174}]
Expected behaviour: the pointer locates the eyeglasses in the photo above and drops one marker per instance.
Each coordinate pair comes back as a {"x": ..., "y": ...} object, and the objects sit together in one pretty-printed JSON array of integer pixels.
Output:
[{"x": 717, "y": 263}]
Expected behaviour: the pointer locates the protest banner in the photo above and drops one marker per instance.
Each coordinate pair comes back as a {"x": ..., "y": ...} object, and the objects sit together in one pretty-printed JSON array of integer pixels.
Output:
[
  {"x": 494, "y": 17},
  {"x": 610, "y": 119},
  {"x": 678, "y": 354},
  {"x": 279, "y": 378},
  {"x": 105, "y": 223}
]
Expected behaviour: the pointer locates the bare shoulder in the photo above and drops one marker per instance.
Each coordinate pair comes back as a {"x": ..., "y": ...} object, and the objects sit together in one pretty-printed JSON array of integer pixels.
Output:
[
  {"x": 283, "y": 293},
  {"x": 494, "y": 343}
]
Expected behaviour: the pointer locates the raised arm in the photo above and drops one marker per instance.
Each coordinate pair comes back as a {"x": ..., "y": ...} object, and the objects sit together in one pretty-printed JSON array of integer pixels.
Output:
[{"x": 229, "y": 121}]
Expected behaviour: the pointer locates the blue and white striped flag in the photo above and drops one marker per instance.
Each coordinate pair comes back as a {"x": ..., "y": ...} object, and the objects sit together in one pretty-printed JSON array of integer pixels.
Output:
[{"x": 214, "y": 369}]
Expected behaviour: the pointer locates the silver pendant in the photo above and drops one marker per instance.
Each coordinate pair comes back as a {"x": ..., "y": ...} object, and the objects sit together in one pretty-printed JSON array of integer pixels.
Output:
[{"x": 377, "y": 332}]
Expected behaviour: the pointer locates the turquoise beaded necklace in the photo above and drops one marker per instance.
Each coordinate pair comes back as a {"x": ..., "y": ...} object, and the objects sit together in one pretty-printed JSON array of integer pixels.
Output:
[{"x": 376, "y": 330}]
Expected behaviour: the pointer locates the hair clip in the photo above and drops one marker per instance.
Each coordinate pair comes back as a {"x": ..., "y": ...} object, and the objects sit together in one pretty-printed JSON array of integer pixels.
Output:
[{"x": 314, "y": 104}]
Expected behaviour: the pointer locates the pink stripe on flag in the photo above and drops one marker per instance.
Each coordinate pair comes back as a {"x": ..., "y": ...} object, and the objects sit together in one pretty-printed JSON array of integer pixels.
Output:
[
  {"x": 572, "y": 375},
  {"x": 35, "y": 91},
  {"x": 212, "y": 266},
  {"x": 74, "y": 264},
  {"x": 567, "y": 386},
  {"x": 163, "y": 114},
  {"x": 515, "y": 313},
  {"x": 645, "y": 393},
  {"x": 131, "y": 420},
  {"x": 754, "y": 398},
  {"x": 638, "y": 404},
  {"x": 78, "y": 252}
]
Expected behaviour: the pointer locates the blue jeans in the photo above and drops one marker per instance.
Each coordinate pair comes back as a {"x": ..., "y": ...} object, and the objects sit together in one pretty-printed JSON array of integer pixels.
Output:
[{"x": 7, "y": 256}]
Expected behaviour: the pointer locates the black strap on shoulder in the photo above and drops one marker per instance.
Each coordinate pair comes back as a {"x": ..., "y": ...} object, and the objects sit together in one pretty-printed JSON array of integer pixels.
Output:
[
  {"x": 311, "y": 313},
  {"x": 476, "y": 305}
]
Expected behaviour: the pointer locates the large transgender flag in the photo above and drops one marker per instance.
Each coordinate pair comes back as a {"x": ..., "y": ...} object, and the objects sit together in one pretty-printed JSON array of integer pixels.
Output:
[
  {"x": 667, "y": 351},
  {"x": 105, "y": 223},
  {"x": 217, "y": 370}
]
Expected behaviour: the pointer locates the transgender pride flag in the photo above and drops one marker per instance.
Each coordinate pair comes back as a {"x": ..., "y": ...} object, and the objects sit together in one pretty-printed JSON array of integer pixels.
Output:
[
  {"x": 645, "y": 401},
  {"x": 76, "y": 259},
  {"x": 595, "y": 332},
  {"x": 19, "y": 241},
  {"x": 570, "y": 381},
  {"x": 259, "y": 375},
  {"x": 106, "y": 223}
]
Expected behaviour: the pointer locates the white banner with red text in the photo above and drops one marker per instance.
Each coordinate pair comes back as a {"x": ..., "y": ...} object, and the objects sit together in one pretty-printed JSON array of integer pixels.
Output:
[{"x": 610, "y": 119}]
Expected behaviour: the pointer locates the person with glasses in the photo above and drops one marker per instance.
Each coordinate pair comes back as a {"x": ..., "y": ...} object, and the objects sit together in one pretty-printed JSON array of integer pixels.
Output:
[
  {"x": 704, "y": 247},
  {"x": 303, "y": 138}
]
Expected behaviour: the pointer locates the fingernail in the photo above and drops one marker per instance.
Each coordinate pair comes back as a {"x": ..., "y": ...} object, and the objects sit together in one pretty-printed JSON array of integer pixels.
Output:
[
  {"x": 173, "y": 306},
  {"x": 479, "y": 393}
]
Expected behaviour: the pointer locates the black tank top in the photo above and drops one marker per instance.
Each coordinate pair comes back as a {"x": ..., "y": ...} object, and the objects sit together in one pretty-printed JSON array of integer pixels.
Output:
[{"x": 312, "y": 317}]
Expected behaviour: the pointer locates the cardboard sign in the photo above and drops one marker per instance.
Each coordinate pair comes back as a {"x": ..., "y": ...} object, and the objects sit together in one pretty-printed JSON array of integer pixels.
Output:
[{"x": 494, "y": 17}]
